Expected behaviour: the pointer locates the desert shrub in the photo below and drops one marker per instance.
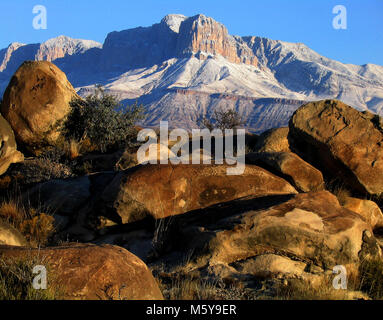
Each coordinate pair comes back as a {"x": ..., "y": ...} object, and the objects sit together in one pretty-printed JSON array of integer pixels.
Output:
[
  {"x": 72, "y": 149},
  {"x": 11, "y": 211},
  {"x": 102, "y": 119},
  {"x": 37, "y": 170},
  {"x": 16, "y": 279},
  {"x": 34, "y": 225},
  {"x": 228, "y": 119},
  {"x": 37, "y": 228}
]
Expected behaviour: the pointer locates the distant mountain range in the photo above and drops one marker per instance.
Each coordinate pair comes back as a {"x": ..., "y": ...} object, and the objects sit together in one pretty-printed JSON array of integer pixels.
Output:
[{"x": 184, "y": 68}]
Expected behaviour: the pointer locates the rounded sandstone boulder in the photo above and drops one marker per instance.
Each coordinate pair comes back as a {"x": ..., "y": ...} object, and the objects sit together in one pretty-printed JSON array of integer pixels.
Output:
[
  {"x": 91, "y": 272},
  {"x": 10, "y": 236},
  {"x": 303, "y": 176},
  {"x": 161, "y": 191},
  {"x": 273, "y": 140},
  {"x": 35, "y": 103},
  {"x": 343, "y": 141},
  {"x": 8, "y": 147}
]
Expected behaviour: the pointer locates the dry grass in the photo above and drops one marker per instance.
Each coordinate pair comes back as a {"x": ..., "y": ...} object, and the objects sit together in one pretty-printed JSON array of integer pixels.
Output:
[
  {"x": 11, "y": 211},
  {"x": 339, "y": 190},
  {"x": 70, "y": 149},
  {"x": 342, "y": 195},
  {"x": 35, "y": 225},
  {"x": 365, "y": 283},
  {"x": 182, "y": 284},
  {"x": 371, "y": 278},
  {"x": 296, "y": 289},
  {"x": 16, "y": 279},
  {"x": 186, "y": 287},
  {"x": 73, "y": 149}
]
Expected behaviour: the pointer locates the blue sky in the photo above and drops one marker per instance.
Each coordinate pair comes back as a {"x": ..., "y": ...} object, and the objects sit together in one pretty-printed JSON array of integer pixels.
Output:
[{"x": 306, "y": 21}]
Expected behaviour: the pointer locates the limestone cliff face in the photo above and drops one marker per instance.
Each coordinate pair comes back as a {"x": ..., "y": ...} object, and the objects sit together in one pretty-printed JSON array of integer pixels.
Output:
[
  {"x": 201, "y": 34},
  {"x": 176, "y": 36},
  {"x": 140, "y": 47}
]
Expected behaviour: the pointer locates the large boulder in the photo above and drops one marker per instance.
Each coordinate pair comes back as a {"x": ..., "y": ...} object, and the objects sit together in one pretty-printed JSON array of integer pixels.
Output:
[
  {"x": 303, "y": 176},
  {"x": 273, "y": 140},
  {"x": 91, "y": 272},
  {"x": 347, "y": 143},
  {"x": 166, "y": 190},
  {"x": 8, "y": 147},
  {"x": 63, "y": 197},
  {"x": 313, "y": 227},
  {"x": 311, "y": 231},
  {"x": 368, "y": 209},
  {"x": 35, "y": 103},
  {"x": 10, "y": 236}
]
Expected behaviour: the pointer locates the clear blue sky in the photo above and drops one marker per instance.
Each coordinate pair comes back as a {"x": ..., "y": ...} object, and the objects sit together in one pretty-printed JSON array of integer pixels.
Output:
[{"x": 307, "y": 21}]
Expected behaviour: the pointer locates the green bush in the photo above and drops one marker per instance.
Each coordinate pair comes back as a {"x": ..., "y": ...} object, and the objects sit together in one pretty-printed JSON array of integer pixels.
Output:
[{"x": 101, "y": 119}]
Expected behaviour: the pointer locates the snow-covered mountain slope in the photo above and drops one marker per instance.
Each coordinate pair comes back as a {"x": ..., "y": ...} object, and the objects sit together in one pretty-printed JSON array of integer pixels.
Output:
[{"x": 185, "y": 68}]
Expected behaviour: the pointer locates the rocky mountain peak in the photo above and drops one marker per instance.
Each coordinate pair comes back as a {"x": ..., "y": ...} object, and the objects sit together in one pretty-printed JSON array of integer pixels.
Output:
[
  {"x": 201, "y": 34},
  {"x": 16, "y": 53},
  {"x": 61, "y": 46},
  {"x": 176, "y": 36},
  {"x": 5, "y": 54}
]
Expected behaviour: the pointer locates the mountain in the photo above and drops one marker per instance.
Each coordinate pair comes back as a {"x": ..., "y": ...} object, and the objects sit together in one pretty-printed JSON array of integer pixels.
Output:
[
  {"x": 184, "y": 68},
  {"x": 16, "y": 53}
]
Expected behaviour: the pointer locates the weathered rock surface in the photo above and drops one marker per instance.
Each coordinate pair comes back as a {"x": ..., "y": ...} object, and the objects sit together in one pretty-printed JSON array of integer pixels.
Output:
[
  {"x": 273, "y": 140},
  {"x": 90, "y": 272},
  {"x": 312, "y": 227},
  {"x": 10, "y": 236},
  {"x": 303, "y": 176},
  {"x": 368, "y": 209},
  {"x": 35, "y": 102},
  {"x": 302, "y": 237},
  {"x": 165, "y": 190},
  {"x": 8, "y": 147},
  {"x": 348, "y": 143},
  {"x": 63, "y": 197}
]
